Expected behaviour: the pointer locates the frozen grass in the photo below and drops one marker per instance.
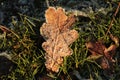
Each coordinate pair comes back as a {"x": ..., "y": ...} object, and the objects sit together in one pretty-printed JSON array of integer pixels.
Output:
[{"x": 23, "y": 43}]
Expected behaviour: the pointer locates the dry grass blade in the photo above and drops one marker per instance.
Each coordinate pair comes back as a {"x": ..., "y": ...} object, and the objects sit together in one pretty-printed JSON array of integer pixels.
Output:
[{"x": 7, "y": 30}]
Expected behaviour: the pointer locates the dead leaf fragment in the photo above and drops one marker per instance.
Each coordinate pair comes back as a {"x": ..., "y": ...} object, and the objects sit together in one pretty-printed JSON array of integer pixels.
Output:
[{"x": 98, "y": 48}]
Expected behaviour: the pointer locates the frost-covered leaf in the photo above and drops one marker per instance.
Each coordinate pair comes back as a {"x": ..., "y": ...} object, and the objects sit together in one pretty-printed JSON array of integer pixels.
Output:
[{"x": 58, "y": 36}]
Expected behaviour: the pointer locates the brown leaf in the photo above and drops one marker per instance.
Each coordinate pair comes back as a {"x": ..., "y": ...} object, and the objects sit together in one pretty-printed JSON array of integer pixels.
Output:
[
  {"x": 98, "y": 48},
  {"x": 58, "y": 36}
]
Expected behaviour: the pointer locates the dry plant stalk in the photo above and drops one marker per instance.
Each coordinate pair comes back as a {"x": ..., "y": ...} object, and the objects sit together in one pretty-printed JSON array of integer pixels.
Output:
[
  {"x": 110, "y": 26},
  {"x": 58, "y": 35}
]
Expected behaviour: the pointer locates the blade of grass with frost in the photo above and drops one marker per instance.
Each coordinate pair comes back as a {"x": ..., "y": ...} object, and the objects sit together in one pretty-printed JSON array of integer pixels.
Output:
[
  {"x": 21, "y": 15},
  {"x": 30, "y": 27},
  {"x": 30, "y": 22}
]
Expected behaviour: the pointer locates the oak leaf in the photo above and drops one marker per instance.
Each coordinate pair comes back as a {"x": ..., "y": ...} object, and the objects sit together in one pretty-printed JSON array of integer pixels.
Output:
[{"x": 58, "y": 35}]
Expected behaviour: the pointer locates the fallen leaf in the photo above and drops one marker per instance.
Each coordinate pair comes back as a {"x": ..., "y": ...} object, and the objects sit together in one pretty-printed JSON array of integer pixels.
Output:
[
  {"x": 58, "y": 35},
  {"x": 98, "y": 48}
]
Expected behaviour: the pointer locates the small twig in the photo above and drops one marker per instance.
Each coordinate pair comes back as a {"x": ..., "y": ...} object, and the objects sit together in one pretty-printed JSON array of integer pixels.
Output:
[
  {"x": 113, "y": 19},
  {"x": 117, "y": 9}
]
